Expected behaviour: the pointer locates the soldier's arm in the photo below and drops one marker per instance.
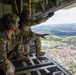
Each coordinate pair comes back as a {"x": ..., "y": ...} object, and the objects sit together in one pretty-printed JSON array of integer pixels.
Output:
[
  {"x": 35, "y": 35},
  {"x": 41, "y": 20},
  {"x": 39, "y": 35},
  {"x": 35, "y": 22},
  {"x": 42, "y": 35},
  {"x": 4, "y": 62}
]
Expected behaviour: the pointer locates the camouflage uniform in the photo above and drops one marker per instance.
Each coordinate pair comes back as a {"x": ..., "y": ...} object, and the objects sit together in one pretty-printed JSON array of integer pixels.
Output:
[
  {"x": 6, "y": 47},
  {"x": 5, "y": 44},
  {"x": 27, "y": 35},
  {"x": 9, "y": 43},
  {"x": 38, "y": 44},
  {"x": 27, "y": 38}
]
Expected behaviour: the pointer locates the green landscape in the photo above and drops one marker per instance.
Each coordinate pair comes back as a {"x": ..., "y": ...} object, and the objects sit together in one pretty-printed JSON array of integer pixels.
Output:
[{"x": 60, "y": 44}]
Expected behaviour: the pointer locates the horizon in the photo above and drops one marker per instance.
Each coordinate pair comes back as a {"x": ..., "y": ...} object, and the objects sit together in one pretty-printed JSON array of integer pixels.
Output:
[{"x": 51, "y": 24}]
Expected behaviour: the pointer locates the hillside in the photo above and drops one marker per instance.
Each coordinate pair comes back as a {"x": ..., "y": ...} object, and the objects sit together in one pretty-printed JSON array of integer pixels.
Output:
[
  {"x": 56, "y": 29},
  {"x": 60, "y": 44}
]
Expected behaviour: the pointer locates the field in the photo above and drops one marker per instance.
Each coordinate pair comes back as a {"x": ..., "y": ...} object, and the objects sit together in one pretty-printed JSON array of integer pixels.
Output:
[
  {"x": 60, "y": 44},
  {"x": 62, "y": 52}
]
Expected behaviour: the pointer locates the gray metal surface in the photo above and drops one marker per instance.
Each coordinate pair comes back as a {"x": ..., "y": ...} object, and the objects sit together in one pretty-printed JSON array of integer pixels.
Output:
[{"x": 43, "y": 65}]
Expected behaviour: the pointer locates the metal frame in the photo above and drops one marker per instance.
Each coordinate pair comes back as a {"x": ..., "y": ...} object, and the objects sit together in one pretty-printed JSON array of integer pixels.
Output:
[{"x": 45, "y": 63}]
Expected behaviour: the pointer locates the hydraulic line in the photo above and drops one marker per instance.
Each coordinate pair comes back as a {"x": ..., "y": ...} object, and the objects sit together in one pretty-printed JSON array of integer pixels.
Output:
[
  {"x": 3, "y": 6},
  {"x": 30, "y": 10}
]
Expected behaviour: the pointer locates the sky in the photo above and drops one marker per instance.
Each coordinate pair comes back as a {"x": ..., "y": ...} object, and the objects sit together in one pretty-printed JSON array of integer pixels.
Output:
[{"x": 63, "y": 16}]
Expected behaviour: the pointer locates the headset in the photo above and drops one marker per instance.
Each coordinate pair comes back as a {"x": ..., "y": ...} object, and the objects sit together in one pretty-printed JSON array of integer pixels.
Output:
[
  {"x": 10, "y": 24},
  {"x": 10, "y": 20}
]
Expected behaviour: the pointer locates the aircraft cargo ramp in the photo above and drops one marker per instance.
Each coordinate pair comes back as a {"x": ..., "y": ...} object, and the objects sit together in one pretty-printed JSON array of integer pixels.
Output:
[{"x": 42, "y": 65}]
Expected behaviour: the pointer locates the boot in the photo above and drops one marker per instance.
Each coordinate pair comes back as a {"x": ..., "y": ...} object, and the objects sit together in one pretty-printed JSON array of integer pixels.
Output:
[
  {"x": 41, "y": 53},
  {"x": 21, "y": 57}
]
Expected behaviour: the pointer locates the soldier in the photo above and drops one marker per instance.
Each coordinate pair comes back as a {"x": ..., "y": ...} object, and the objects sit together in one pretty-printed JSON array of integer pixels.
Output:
[
  {"x": 8, "y": 42},
  {"x": 29, "y": 36}
]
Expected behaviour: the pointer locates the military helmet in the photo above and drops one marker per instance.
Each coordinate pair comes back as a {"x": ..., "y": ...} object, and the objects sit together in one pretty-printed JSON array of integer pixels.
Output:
[
  {"x": 25, "y": 20},
  {"x": 9, "y": 20}
]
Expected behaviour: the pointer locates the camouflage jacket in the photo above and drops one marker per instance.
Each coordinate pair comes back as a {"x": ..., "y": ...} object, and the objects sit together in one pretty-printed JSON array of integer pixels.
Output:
[
  {"x": 26, "y": 36},
  {"x": 6, "y": 45}
]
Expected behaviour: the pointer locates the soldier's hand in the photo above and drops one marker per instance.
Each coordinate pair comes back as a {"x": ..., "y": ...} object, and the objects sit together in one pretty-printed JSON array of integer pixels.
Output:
[
  {"x": 11, "y": 74},
  {"x": 43, "y": 35}
]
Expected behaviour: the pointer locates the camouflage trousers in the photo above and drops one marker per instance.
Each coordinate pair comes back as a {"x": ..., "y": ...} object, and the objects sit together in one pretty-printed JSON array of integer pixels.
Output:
[
  {"x": 2, "y": 72},
  {"x": 11, "y": 66},
  {"x": 37, "y": 43}
]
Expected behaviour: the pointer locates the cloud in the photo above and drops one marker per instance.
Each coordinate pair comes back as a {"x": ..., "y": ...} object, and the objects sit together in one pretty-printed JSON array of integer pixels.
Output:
[{"x": 63, "y": 16}]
